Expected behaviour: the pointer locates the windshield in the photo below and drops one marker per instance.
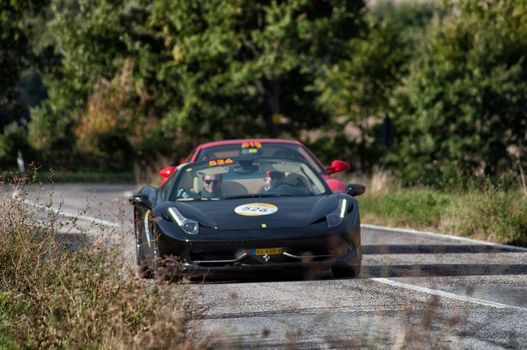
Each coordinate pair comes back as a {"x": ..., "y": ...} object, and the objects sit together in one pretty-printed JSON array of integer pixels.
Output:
[
  {"x": 230, "y": 178},
  {"x": 256, "y": 148}
]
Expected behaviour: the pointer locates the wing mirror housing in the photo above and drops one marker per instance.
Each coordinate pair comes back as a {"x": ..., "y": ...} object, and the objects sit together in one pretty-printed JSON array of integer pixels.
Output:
[
  {"x": 166, "y": 172},
  {"x": 355, "y": 189},
  {"x": 140, "y": 200},
  {"x": 337, "y": 166}
]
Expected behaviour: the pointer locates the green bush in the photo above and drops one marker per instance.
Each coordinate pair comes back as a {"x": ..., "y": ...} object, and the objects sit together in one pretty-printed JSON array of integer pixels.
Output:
[{"x": 462, "y": 106}]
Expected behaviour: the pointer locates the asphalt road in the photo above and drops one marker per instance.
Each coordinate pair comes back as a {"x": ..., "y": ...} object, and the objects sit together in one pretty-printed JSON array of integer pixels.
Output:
[{"x": 416, "y": 289}]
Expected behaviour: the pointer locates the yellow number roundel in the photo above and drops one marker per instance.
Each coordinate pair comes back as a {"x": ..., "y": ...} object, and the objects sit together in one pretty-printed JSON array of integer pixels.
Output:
[{"x": 256, "y": 209}]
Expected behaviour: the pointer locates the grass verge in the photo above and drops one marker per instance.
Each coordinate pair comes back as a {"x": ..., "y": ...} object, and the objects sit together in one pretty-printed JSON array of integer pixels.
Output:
[
  {"x": 489, "y": 213},
  {"x": 55, "y": 294}
]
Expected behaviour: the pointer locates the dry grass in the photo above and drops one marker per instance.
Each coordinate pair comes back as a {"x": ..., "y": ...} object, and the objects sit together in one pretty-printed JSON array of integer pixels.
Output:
[{"x": 55, "y": 293}]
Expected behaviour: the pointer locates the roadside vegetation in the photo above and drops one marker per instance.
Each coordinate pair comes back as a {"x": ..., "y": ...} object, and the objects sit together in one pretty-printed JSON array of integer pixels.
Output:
[
  {"x": 68, "y": 176},
  {"x": 76, "y": 291},
  {"x": 423, "y": 88},
  {"x": 485, "y": 210}
]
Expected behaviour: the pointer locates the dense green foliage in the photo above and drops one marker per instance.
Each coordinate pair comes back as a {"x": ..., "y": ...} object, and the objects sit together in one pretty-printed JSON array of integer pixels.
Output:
[
  {"x": 147, "y": 79},
  {"x": 13, "y": 48},
  {"x": 16, "y": 29},
  {"x": 136, "y": 82},
  {"x": 462, "y": 107}
]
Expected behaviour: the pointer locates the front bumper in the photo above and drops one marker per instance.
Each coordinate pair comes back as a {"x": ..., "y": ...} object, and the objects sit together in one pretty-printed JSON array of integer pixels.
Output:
[
  {"x": 299, "y": 250},
  {"x": 301, "y": 263}
]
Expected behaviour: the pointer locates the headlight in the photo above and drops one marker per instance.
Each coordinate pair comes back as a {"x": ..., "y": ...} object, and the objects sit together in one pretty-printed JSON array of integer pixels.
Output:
[
  {"x": 335, "y": 218},
  {"x": 189, "y": 226}
]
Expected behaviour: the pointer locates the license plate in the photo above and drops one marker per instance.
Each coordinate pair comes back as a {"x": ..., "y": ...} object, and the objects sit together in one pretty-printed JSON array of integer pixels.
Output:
[{"x": 267, "y": 251}]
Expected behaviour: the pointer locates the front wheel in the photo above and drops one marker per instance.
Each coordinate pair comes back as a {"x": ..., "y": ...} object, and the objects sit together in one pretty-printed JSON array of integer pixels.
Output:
[
  {"x": 146, "y": 248},
  {"x": 346, "y": 271}
]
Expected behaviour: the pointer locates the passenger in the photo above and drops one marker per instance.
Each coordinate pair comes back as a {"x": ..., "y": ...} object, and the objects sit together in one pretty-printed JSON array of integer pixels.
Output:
[{"x": 273, "y": 179}]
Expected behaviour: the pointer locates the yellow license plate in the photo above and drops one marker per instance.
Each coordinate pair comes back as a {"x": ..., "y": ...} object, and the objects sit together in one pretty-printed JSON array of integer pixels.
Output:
[{"x": 267, "y": 251}]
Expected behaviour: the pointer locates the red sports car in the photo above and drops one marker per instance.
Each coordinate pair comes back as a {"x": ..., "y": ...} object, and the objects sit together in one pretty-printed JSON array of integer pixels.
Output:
[{"x": 264, "y": 147}]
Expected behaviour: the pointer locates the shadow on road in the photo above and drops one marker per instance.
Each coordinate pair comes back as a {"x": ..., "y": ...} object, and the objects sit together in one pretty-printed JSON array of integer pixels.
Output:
[
  {"x": 434, "y": 249},
  {"x": 442, "y": 270},
  {"x": 397, "y": 270},
  {"x": 428, "y": 270},
  {"x": 275, "y": 276}
]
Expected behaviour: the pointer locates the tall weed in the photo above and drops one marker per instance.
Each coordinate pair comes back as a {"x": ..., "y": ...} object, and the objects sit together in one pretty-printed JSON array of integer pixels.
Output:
[
  {"x": 493, "y": 215},
  {"x": 57, "y": 295}
]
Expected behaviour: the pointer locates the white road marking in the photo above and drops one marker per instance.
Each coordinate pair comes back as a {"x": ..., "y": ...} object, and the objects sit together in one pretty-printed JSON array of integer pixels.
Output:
[
  {"x": 448, "y": 295},
  {"x": 386, "y": 281},
  {"x": 15, "y": 194},
  {"x": 441, "y": 235}
]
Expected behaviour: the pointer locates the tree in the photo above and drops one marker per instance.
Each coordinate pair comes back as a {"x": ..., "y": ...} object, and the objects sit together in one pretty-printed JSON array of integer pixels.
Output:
[
  {"x": 462, "y": 107},
  {"x": 251, "y": 63},
  {"x": 92, "y": 43},
  {"x": 192, "y": 71},
  {"x": 358, "y": 89},
  {"x": 15, "y": 54}
]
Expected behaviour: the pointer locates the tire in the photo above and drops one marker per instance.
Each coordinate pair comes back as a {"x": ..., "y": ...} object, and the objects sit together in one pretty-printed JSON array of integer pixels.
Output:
[
  {"x": 346, "y": 271},
  {"x": 145, "y": 267},
  {"x": 160, "y": 267},
  {"x": 149, "y": 262},
  {"x": 167, "y": 269},
  {"x": 145, "y": 272}
]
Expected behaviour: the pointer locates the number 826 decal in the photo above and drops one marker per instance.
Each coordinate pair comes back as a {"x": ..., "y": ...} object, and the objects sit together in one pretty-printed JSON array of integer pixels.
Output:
[{"x": 220, "y": 162}]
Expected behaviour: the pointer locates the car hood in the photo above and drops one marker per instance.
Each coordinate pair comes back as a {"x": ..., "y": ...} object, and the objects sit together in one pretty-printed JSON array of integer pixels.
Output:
[{"x": 290, "y": 211}]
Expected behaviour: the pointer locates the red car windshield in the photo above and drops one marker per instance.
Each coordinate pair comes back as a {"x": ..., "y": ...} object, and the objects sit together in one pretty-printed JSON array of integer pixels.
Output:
[{"x": 281, "y": 150}]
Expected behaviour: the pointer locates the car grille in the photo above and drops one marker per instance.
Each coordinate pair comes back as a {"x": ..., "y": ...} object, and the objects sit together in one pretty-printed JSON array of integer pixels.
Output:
[
  {"x": 245, "y": 258},
  {"x": 212, "y": 256}
]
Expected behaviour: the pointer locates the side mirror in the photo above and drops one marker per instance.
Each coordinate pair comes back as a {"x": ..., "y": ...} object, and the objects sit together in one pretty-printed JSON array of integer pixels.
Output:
[
  {"x": 166, "y": 172},
  {"x": 355, "y": 189},
  {"x": 140, "y": 200},
  {"x": 337, "y": 166}
]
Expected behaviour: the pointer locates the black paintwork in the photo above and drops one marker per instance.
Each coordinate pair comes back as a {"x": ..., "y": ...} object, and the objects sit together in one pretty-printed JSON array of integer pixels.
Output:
[{"x": 226, "y": 240}]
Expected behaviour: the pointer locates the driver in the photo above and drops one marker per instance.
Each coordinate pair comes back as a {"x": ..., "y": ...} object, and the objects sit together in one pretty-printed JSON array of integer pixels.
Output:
[{"x": 211, "y": 186}]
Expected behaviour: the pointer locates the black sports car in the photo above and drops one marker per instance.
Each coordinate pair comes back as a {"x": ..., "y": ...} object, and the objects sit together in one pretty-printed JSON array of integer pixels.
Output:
[{"x": 246, "y": 214}]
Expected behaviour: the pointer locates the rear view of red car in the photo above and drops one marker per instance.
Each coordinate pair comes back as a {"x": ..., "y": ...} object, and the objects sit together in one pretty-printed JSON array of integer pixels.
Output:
[{"x": 263, "y": 147}]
